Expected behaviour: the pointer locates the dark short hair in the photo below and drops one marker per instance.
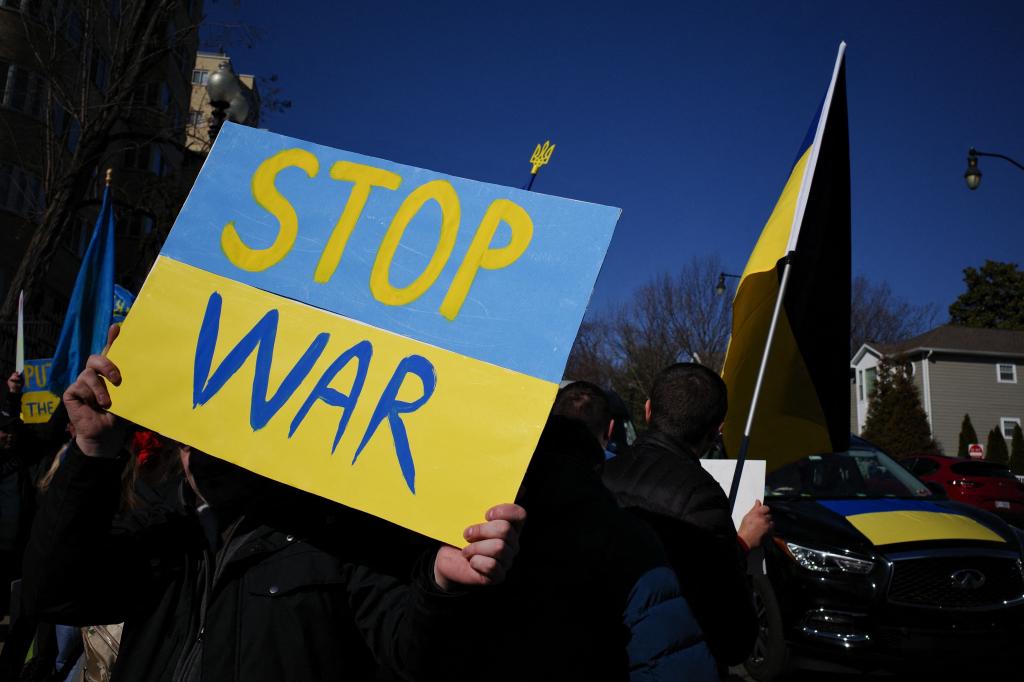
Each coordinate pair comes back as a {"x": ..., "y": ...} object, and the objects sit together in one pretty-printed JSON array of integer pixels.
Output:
[
  {"x": 688, "y": 401},
  {"x": 586, "y": 402}
]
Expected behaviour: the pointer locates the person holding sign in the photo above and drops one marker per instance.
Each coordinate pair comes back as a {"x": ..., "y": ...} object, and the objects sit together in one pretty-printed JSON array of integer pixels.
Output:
[
  {"x": 622, "y": 617},
  {"x": 252, "y": 580},
  {"x": 662, "y": 481}
]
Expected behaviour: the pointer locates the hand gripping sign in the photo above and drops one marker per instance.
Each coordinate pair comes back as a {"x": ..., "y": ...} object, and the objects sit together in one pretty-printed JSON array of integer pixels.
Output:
[{"x": 381, "y": 335}]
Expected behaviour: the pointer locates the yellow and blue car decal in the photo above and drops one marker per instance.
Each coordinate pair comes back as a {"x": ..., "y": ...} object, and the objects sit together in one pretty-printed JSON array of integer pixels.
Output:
[{"x": 894, "y": 521}]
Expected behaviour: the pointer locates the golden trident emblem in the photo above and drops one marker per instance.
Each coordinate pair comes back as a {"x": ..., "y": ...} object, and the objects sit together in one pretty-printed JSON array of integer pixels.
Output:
[{"x": 541, "y": 156}]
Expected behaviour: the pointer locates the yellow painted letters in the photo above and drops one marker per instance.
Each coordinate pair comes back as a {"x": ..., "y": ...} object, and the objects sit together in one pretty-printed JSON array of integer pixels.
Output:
[
  {"x": 365, "y": 179},
  {"x": 267, "y": 196},
  {"x": 481, "y": 255},
  {"x": 443, "y": 193}
]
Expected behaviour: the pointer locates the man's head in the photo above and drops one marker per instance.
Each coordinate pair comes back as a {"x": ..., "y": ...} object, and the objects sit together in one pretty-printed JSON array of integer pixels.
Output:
[
  {"x": 688, "y": 403},
  {"x": 586, "y": 402}
]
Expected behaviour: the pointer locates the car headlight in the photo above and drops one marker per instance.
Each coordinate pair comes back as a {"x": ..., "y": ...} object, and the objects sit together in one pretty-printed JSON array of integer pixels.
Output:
[{"x": 820, "y": 561}]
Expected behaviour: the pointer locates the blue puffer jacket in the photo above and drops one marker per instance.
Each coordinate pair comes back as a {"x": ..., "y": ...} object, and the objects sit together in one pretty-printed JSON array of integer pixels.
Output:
[{"x": 666, "y": 643}]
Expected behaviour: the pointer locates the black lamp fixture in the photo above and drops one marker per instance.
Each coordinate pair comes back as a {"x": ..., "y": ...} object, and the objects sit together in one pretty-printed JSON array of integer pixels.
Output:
[
  {"x": 973, "y": 175},
  {"x": 720, "y": 287}
]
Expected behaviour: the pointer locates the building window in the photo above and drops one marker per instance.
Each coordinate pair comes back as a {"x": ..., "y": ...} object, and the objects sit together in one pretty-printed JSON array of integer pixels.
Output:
[
  {"x": 65, "y": 126},
  {"x": 137, "y": 225},
  {"x": 157, "y": 164},
  {"x": 99, "y": 71},
  {"x": 138, "y": 157},
  {"x": 1006, "y": 373},
  {"x": 1006, "y": 425},
  {"x": 73, "y": 27},
  {"x": 200, "y": 76},
  {"x": 151, "y": 95},
  {"x": 22, "y": 90},
  {"x": 21, "y": 192},
  {"x": 195, "y": 118},
  {"x": 76, "y": 235},
  {"x": 148, "y": 157}
]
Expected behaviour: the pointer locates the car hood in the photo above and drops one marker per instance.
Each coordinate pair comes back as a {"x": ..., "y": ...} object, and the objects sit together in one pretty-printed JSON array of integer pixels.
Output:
[{"x": 865, "y": 523}]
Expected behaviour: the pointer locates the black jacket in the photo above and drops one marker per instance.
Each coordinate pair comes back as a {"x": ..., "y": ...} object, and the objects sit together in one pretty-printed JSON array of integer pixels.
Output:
[
  {"x": 665, "y": 484},
  {"x": 585, "y": 598},
  {"x": 305, "y": 590}
]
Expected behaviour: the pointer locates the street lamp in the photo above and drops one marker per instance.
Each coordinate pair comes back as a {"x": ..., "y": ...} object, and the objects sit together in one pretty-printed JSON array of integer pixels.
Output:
[
  {"x": 720, "y": 287},
  {"x": 226, "y": 97},
  {"x": 972, "y": 175}
]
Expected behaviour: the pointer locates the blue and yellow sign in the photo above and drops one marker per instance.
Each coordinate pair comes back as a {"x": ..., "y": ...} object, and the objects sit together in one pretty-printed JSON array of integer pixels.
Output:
[
  {"x": 385, "y": 336},
  {"x": 37, "y": 403}
]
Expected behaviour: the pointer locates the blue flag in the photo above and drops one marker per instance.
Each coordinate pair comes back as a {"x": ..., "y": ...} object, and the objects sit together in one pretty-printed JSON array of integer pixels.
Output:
[{"x": 92, "y": 304}]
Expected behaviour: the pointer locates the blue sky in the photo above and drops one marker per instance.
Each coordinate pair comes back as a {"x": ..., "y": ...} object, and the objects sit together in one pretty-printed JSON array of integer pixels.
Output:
[{"x": 686, "y": 115}]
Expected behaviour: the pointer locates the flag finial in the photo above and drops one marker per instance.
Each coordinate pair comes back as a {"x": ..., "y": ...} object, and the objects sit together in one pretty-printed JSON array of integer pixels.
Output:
[
  {"x": 110, "y": 174},
  {"x": 541, "y": 156}
]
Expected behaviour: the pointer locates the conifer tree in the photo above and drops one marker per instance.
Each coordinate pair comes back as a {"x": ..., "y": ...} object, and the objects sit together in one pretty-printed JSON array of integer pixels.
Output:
[
  {"x": 967, "y": 436},
  {"x": 896, "y": 422},
  {"x": 1017, "y": 451},
  {"x": 995, "y": 450}
]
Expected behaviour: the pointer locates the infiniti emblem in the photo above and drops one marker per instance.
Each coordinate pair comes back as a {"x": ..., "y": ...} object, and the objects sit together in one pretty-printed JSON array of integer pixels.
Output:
[{"x": 967, "y": 579}]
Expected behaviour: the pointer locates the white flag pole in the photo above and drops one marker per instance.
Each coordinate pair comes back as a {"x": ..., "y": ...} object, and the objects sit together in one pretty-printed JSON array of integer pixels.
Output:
[{"x": 19, "y": 352}]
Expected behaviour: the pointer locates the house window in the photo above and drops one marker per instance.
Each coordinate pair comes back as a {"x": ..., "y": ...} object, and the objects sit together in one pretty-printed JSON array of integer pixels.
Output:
[
  {"x": 870, "y": 376},
  {"x": 1006, "y": 425},
  {"x": 1006, "y": 373},
  {"x": 200, "y": 76}
]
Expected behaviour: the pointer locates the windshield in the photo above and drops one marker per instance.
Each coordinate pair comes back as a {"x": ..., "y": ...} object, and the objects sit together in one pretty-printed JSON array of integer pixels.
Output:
[{"x": 861, "y": 472}]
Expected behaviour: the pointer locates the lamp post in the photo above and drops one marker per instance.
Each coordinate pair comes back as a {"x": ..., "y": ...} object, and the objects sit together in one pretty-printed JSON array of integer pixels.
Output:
[
  {"x": 227, "y": 98},
  {"x": 972, "y": 175},
  {"x": 720, "y": 287}
]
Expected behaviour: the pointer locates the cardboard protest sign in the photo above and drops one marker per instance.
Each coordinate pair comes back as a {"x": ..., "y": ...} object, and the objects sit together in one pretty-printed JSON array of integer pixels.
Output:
[
  {"x": 751, "y": 482},
  {"x": 37, "y": 403},
  {"x": 385, "y": 336}
]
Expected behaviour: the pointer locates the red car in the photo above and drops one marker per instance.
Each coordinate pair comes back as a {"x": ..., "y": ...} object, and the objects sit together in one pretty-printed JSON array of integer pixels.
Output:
[{"x": 988, "y": 485}]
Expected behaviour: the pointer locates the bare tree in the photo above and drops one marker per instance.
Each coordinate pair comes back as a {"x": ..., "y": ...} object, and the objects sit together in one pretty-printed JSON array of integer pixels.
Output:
[
  {"x": 94, "y": 59},
  {"x": 671, "y": 318},
  {"x": 877, "y": 314}
]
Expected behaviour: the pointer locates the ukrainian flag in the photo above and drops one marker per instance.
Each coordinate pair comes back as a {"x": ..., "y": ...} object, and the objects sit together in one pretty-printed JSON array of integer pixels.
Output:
[{"x": 803, "y": 406}]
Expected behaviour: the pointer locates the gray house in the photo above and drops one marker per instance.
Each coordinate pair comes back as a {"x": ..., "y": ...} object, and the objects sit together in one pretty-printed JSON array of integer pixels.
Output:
[{"x": 958, "y": 371}]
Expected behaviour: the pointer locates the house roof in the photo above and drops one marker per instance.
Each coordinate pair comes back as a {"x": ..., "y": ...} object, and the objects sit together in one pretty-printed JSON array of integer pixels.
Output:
[{"x": 954, "y": 339}]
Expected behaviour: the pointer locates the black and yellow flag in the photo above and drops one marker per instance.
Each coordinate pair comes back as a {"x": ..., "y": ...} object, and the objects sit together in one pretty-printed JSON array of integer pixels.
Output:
[{"x": 804, "y": 401}]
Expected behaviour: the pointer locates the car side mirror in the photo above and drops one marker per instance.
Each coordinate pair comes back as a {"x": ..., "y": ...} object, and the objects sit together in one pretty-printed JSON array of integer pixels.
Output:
[{"x": 936, "y": 488}]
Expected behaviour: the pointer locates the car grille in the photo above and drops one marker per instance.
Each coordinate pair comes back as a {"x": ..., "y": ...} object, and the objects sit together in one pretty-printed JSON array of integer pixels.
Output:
[{"x": 930, "y": 581}]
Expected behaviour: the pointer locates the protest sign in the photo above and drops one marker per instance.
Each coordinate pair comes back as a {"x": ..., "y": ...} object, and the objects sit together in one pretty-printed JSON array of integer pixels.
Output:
[
  {"x": 37, "y": 403},
  {"x": 751, "y": 482},
  {"x": 385, "y": 336}
]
